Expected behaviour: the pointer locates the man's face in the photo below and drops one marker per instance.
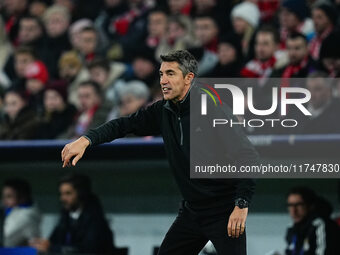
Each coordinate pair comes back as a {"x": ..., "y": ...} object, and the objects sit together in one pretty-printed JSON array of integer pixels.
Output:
[
  {"x": 13, "y": 105},
  {"x": 176, "y": 5},
  {"x": 56, "y": 25},
  {"x": 29, "y": 30},
  {"x": 69, "y": 197},
  {"x": 297, "y": 50},
  {"x": 69, "y": 72},
  {"x": 157, "y": 24},
  {"x": 88, "y": 98},
  {"x": 205, "y": 30},
  {"x": 173, "y": 85},
  {"x": 288, "y": 19},
  {"x": 34, "y": 86},
  {"x": 99, "y": 75},
  {"x": 130, "y": 104},
  {"x": 21, "y": 61},
  {"x": 53, "y": 101},
  {"x": 321, "y": 21},
  {"x": 142, "y": 68},
  {"x": 265, "y": 46},
  {"x": 320, "y": 92},
  {"x": 14, "y": 6},
  {"x": 226, "y": 53},
  {"x": 297, "y": 208},
  {"x": 9, "y": 197},
  {"x": 88, "y": 42}
]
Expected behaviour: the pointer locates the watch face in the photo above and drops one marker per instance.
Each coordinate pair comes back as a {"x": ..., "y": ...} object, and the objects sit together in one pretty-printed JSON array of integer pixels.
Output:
[{"x": 241, "y": 203}]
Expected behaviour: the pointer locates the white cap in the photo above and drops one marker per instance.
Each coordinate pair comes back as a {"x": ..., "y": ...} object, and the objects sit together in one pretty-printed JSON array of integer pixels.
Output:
[{"x": 247, "y": 11}]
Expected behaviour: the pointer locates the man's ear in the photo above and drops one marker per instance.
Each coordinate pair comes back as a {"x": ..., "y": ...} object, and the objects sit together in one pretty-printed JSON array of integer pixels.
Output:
[{"x": 189, "y": 78}]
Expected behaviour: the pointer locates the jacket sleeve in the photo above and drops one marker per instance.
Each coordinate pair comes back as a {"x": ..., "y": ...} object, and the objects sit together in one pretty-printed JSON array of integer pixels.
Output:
[
  {"x": 144, "y": 122},
  {"x": 241, "y": 152}
]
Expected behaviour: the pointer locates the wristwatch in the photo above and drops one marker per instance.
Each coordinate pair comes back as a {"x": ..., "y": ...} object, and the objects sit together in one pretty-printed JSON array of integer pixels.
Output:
[{"x": 241, "y": 203}]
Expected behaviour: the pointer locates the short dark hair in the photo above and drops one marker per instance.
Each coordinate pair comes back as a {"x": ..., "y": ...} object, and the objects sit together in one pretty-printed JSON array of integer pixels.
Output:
[
  {"x": 26, "y": 50},
  {"x": 99, "y": 62},
  {"x": 297, "y": 35},
  {"x": 97, "y": 88},
  {"x": 22, "y": 189},
  {"x": 186, "y": 61},
  {"x": 308, "y": 195},
  {"x": 271, "y": 30}
]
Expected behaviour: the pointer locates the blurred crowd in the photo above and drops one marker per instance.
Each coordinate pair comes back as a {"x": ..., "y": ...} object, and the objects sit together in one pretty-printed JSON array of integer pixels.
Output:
[
  {"x": 82, "y": 227},
  {"x": 70, "y": 65}
]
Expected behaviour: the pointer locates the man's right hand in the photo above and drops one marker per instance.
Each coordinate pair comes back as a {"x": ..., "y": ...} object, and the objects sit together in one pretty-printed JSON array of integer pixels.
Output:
[{"x": 75, "y": 149}]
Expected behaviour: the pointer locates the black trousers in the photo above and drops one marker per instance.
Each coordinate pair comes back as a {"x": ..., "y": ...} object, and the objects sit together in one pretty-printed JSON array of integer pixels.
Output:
[{"x": 191, "y": 230}]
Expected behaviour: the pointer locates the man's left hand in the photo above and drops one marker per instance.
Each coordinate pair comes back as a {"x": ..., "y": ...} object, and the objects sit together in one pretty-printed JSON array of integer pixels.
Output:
[{"x": 237, "y": 222}]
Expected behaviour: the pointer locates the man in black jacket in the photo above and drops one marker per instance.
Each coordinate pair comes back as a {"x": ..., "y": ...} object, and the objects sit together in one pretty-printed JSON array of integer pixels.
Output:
[
  {"x": 82, "y": 227},
  {"x": 209, "y": 204}
]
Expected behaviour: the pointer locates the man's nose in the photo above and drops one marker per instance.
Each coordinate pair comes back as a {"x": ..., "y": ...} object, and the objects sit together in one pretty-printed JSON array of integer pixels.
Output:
[{"x": 164, "y": 80}]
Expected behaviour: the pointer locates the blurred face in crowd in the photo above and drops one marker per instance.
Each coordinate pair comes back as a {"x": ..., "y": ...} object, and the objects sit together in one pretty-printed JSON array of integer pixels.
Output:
[
  {"x": 175, "y": 30},
  {"x": 297, "y": 208},
  {"x": 265, "y": 46},
  {"x": 21, "y": 61},
  {"x": 29, "y": 30},
  {"x": 88, "y": 41},
  {"x": 34, "y": 86},
  {"x": 99, "y": 75},
  {"x": 53, "y": 102},
  {"x": 157, "y": 24},
  {"x": 69, "y": 197},
  {"x": 288, "y": 19},
  {"x": 13, "y": 104},
  {"x": 15, "y": 6},
  {"x": 130, "y": 104},
  {"x": 205, "y": 30},
  {"x": 320, "y": 19},
  {"x": 174, "y": 84},
  {"x": 69, "y": 72},
  {"x": 297, "y": 50},
  {"x": 69, "y": 4},
  {"x": 37, "y": 8},
  {"x": 321, "y": 92},
  {"x": 142, "y": 67},
  {"x": 240, "y": 25},
  {"x": 203, "y": 5},
  {"x": 112, "y": 3},
  {"x": 177, "y": 5},
  {"x": 331, "y": 64},
  {"x": 9, "y": 197},
  {"x": 226, "y": 53},
  {"x": 56, "y": 24},
  {"x": 87, "y": 97}
]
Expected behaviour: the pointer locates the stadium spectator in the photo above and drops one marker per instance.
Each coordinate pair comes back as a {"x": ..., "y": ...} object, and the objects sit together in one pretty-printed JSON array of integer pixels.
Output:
[
  {"x": 313, "y": 231},
  {"x": 206, "y": 32},
  {"x": 324, "y": 18},
  {"x": 37, "y": 76},
  {"x": 89, "y": 44},
  {"x": 5, "y": 46},
  {"x": 82, "y": 227},
  {"x": 31, "y": 33},
  {"x": 245, "y": 19},
  {"x": 324, "y": 108},
  {"x": 12, "y": 12},
  {"x": 92, "y": 109},
  {"x": 22, "y": 217},
  {"x": 157, "y": 27},
  {"x": 300, "y": 63},
  {"x": 74, "y": 32},
  {"x": 293, "y": 18},
  {"x": 330, "y": 54},
  {"x": 20, "y": 121},
  {"x": 267, "y": 56},
  {"x": 58, "y": 114},
  {"x": 133, "y": 96},
  {"x": 230, "y": 57},
  {"x": 37, "y": 8},
  {"x": 105, "y": 74},
  {"x": 72, "y": 70},
  {"x": 56, "y": 20},
  {"x": 179, "y": 7}
]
